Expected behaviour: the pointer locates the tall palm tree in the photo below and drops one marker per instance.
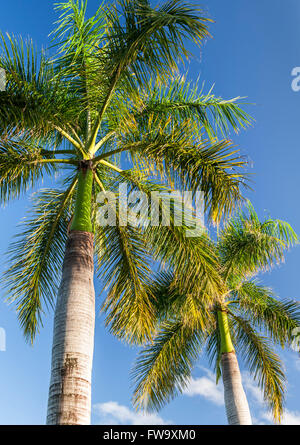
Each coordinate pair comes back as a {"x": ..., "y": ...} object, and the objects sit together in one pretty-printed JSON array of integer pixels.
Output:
[
  {"x": 72, "y": 116},
  {"x": 244, "y": 319}
]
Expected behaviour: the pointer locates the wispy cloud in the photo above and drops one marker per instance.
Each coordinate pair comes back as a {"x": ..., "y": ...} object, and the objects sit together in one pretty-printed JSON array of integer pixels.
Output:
[
  {"x": 288, "y": 418},
  {"x": 206, "y": 387},
  {"x": 297, "y": 363},
  {"x": 112, "y": 413}
]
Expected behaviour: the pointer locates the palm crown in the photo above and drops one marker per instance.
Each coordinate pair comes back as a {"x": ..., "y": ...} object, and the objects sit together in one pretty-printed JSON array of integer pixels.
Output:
[
  {"x": 85, "y": 106},
  {"x": 246, "y": 317}
]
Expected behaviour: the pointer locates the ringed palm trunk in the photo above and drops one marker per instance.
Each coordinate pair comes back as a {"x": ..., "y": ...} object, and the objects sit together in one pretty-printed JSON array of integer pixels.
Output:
[
  {"x": 69, "y": 401},
  {"x": 236, "y": 404}
]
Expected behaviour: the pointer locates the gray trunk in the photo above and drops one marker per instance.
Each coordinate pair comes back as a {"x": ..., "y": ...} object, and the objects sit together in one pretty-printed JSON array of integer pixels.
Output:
[
  {"x": 236, "y": 403},
  {"x": 69, "y": 400}
]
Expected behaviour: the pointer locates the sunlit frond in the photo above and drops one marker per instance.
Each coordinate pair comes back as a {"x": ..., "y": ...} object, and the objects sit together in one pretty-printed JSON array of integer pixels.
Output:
[
  {"x": 247, "y": 245},
  {"x": 20, "y": 165},
  {"x": 192, "y": 258},
  {"x": 34, "y": 99},
  {"x": 36, "y": 258},
  {"x": 278, "y": 317},
  {"x": 181, "y": 100},
  {"x": 125, "y": 267},
  {"x": 163, "y": 369},
  {"x": 213, "y": 169},
  {"x": 263, "y": 363},
  {"x": 150, "y": 41}
]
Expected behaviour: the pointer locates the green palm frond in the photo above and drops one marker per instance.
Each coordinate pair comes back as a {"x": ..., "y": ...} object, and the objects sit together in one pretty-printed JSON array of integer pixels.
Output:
[
  {"x": 21, "y": 165},
  {"x": 213, "y": 348},
  {"x": 278, "y": 317},
  {"x": 100, "y": 55},
  {"x": 36, "y": 258},
  {"x": 78, "y": 61},
  {"x": 192, "y": 259},
  {"x": 247, "y": 245},
  {"x": 170, "y": 302},
  {"x": 163, "y": 369},
  {"x": 125, "y": 267},
  {"x": 35, "y": 99},
  {"x": 213, "y": 169},
  {"x": 150, "y": 41},
  {"x": 263, "y": 363},
  {"x": 184, "y": 101}
]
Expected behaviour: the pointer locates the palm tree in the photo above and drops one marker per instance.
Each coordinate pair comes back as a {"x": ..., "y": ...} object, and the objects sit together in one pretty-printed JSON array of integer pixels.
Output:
[
  {"x": 244, "y": 319},
  {"x": 72, "y": 116}
]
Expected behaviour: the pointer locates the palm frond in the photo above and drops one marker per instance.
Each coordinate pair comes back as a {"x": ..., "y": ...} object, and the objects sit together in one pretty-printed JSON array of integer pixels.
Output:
[
  {"x": 247, "y": 245},
  {"x": 20, "y": 164},
  {"x": 36, "y": 258},
  {"x": 78, "y": 61},
  {"x": 125, "y": 266},
  {"x": 150, "y": 41},
  {"x": 163, "y": 369},
  {"x": 172, "y": 302},
  {"x": 183, "y": 101},
  {"x": 263, "y": 363},
  {"x": 213, "y": 169},
  {"x": 278, "y": 317},
  {"x": 193, "y": 259},
  {"x": 35, "y": 99},
  {"x": 213, "y": 351}
]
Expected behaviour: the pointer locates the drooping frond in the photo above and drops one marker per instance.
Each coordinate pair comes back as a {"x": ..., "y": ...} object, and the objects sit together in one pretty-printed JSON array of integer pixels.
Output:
[
  {"x": 192, "y": 308},
  {"x": 150, "y": 40},
  {"x": 278, "y": 317},
  {"x": 213, "y": 348},
  {"x": 192, "y": 258},
  {"x": 34, "y": 99},
  {"x": 210, "y": 169},
  {"x": 263, "y": 363},
  {"x": 247, "y": 245},
  {"x": 125, "y": 267},
  {"x": 163, "y": 368},
  {"x": 36, "y": 258},
  {"x": 20, "y": 165}
]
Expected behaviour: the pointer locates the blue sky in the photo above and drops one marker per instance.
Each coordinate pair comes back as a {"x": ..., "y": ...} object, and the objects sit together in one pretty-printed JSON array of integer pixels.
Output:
[{"x": 254, "y": 48}]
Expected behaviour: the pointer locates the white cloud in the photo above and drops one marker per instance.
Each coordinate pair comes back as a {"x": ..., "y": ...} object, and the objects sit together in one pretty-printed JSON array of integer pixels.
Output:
[
  {"x": 291, "y": 418},
  {"x": 288, "y": 418},
  {"x": 112, "y": 413},
  {"x": 207, "y": 388}
]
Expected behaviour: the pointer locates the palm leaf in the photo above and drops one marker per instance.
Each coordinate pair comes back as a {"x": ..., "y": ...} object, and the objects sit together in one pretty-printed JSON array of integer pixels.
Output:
[
  {"x": 125, "y": 266},
  {"x": 163, "y": 369},
  {"x": 247, "y": 245},
  {"x": 36, "y": 258},
  {"x": 21, "y": 164},
  {"x": 263, "y": 363},
  {"x": 183, "y": 101},
  {"x": 278, "y": 317}
]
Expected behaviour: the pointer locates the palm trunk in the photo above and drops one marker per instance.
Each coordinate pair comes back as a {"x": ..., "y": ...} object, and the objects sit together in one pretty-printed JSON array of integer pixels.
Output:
[
  {"x": 69, "y": 400},
  {"x": 236, "y": 404}
]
